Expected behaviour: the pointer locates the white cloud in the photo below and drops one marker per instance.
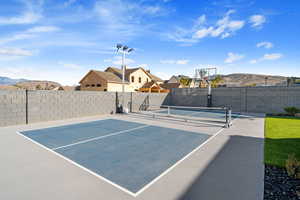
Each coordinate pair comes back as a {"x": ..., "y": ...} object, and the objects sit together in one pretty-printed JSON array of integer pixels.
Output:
[
  {"x": 42, "y": 29},
  {"x": 176, "y": 62},
  {"x": 70, "y": 65},
  {"x": 127, "y": 61},
  {"x": 257, "y": 20},
  {"x": 267, "y": 45},
  {"x": 32, "y": 14},
  {"x": 63, "y": 76},
  {"x": 233, "y": 57},
  {"x": 125, "y": 18},
  {"x": 15, "y": 52},
  {"x": 152, "y": 10},
  {"x": 223, "y": 28},
  {"x": 19, "y": 36},
  {"x": 26, "y": 18},
  {"x": 201, "y": 20},
  {"x": 107, "y": 60},
  {"x": 182, "y": 62},
  {"x": 163, "y": 75},
  {"x": 272, "y": 56},
  {"x": 204, "y": 32},
  {"x": 182, "y": 35},
  {"x": 69, "y": 2},
  {"x": 117, "y": 60},
  {"x": 28, "y": 34}
]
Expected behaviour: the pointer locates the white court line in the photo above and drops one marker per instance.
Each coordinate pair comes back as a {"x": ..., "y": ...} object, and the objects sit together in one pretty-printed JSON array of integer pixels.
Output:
[
  {"x": 80, "y": 166},
  {"x": 100, "y": 137},
  {"x": 116, "y": 185},
  {"x": 177, "y": 163}
]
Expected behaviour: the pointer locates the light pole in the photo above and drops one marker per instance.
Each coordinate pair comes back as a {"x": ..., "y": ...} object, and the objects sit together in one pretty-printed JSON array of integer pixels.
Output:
[{"x": 123, "y": 49}]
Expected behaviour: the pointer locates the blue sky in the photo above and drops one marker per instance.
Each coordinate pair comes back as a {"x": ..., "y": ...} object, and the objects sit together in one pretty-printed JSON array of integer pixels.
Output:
[{"x": 62, "y": 40}]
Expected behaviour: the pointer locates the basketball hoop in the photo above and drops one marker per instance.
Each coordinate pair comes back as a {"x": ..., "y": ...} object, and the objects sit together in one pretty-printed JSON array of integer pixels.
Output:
[{"x": 206, "y": 74}]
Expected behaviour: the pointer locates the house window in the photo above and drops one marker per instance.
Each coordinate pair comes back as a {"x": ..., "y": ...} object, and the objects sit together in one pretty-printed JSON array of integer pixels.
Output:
[
  {"x": 105, "y": 90},
  {"x": 147, "y": 80},
  {"x": 132, "y": 79},
  {"x": 140, "y": 79},
  {"x": 93, "y": 85},
  {"x": 98, "y": 85},
  {"x": 87, "y": 85}
]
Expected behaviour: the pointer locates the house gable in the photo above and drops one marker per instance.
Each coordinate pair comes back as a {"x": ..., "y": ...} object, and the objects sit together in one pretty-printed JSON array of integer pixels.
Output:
[
  {"x": 92, "y": 81},
  {"x": 174, "y": 79},
  {"x": 137, "y": 73}
]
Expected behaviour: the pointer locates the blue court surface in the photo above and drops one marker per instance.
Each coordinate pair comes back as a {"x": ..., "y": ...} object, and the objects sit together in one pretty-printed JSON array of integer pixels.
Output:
[{"x": 128, "y": 154}]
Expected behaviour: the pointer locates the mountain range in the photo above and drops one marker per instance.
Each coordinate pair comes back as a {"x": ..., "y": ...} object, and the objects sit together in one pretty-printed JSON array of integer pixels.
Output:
[
  {"x": 13, "y": 84},
  {"x": 10, "y": 81}
]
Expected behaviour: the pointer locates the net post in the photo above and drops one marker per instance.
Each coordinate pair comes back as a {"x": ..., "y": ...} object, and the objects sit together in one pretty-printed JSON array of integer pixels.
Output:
[
  {"x": 130, "y": 106},
  {"x": 228, "y": 117}
]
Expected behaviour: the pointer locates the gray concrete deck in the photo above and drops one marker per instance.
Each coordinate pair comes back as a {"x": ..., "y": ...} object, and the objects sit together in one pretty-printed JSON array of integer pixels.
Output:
[{"x": 229, "y": 167}]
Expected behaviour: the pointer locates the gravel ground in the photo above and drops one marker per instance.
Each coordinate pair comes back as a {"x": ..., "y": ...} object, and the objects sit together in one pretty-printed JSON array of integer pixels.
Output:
[{"x": 279, "y": 186}]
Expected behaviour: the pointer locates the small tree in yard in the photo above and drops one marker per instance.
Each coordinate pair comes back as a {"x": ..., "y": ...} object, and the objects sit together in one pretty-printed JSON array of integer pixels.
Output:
[
  {"x": 292, "y": 166},
  {"x": 292, "y": 110},
  {"x": 185, "y": 81},
  {"x": 38, "y": 87},
  {"x": 216, "y": 81}
]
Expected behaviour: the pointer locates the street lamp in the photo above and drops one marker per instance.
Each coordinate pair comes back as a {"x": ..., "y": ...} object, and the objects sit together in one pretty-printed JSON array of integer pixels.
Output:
[{"x": 123, "y": 49}]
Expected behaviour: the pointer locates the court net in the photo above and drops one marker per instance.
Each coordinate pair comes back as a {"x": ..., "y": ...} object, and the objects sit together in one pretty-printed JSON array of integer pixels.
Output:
[{"x": 218, "y": 116}]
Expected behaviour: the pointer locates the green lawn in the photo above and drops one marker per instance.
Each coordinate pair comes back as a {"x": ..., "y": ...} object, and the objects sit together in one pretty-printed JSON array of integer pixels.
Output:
[{"x": 282, "y": 137}]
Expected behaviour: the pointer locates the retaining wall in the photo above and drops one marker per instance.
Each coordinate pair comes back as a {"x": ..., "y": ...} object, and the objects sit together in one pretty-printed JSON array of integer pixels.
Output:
[
  {"x": 247, "y": 99},
  {"x": 17, "y": 107}
]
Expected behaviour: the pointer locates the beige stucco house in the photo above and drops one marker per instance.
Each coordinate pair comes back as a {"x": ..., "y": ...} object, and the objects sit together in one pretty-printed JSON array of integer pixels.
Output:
[{"x": 111, "y": 79}]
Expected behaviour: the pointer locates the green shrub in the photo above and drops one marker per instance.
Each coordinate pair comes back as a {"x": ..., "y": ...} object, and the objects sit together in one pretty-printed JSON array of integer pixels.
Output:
[
  {"x": 291, "y": 110},
  {"x": 292, "y": 166}
]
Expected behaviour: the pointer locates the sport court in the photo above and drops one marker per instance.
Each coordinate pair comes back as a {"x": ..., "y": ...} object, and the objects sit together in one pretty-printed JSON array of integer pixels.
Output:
[{"x": 127, "y": 154}]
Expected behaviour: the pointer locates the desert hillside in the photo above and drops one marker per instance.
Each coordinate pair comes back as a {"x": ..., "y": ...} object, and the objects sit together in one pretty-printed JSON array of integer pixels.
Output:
[
  {"x": 37, "y": 85},
  {"x": 7, "y": 83},
  {"x": 10, "y": 81},
  {"x": 240, "y": 80}
]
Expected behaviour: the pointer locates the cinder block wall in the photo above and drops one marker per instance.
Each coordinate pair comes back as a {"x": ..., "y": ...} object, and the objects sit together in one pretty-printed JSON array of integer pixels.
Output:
[
  {"x": 273, "y": 100},
  {"x": 12, "y": 107},
  {"x": 155, "y": 99},
  {"x": 188, "y": 97},
  {"x": 57, "y": 105},
  {"x": 253, "y": 100}
]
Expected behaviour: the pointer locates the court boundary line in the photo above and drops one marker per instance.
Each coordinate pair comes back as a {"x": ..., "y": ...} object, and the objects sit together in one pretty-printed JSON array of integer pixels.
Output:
[
  {"x": 79, "y": 166},
  {"x": 178, "y": 162},
  {"x": 100, "y": 137},
  {"x": 116, "y": 185}
]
